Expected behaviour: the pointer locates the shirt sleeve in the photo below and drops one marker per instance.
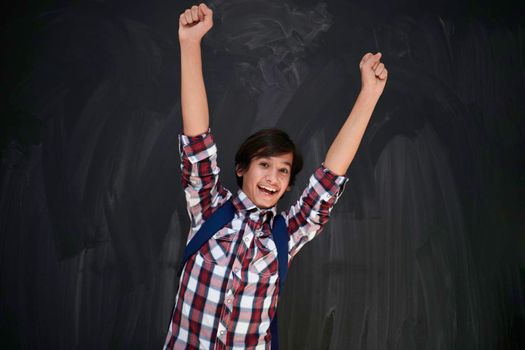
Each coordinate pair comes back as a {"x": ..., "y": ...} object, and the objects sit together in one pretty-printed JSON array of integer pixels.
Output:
[
  {"x": 200, "y": 177},
  {"x": 306, "y": 218}
]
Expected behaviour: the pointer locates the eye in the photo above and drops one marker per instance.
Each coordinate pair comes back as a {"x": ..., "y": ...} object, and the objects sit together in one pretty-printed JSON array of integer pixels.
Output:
[
  {"x": 264, "y": 164},
  {"x": 284, "y": 170}
]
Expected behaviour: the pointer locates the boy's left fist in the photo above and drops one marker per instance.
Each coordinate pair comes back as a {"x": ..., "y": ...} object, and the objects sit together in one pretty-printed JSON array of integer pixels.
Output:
[{"x": 373, "y": 73}]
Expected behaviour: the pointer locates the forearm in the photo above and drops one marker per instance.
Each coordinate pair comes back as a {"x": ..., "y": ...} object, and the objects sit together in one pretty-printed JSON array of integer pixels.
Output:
[
  {"x": 345, "y": 145},
  {"x": 195, "y": 114}
]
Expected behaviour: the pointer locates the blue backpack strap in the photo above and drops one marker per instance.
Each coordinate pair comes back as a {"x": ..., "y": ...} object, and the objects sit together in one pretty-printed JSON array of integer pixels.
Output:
[
  {"x": 215, "y": 222},
  {"x": 280, "y": 237}
]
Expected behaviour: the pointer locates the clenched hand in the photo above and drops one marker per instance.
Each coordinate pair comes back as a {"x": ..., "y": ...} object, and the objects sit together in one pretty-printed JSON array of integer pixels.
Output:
[
  {"x": 194, "y": 23},
  {"x": 373, "y": 73}
]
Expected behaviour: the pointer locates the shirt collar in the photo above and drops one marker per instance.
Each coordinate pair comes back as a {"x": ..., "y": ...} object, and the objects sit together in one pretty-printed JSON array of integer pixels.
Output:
[{"x": 244, "y": 205}]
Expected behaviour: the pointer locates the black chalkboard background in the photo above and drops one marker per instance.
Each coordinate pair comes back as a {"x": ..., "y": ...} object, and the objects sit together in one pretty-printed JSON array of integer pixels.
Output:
[{"x": 424, "y": 250}]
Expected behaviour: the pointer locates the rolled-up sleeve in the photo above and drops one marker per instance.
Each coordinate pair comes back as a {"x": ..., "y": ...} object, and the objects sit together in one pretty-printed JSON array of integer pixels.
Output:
[
  {"x": 197, "y": 148},
  {"x": 200, "y": 177},
  {"x": 307, "y": 216}
]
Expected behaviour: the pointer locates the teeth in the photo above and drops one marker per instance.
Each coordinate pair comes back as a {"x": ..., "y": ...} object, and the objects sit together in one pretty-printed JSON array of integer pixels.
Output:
[{"x": 269, "y": 189}]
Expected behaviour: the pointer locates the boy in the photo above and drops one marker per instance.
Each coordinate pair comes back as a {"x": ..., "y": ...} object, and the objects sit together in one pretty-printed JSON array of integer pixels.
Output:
[{"x": 228, "y": 290}]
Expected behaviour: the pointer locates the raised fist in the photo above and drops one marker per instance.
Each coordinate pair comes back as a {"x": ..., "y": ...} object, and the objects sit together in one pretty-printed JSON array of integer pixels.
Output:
[
  {"x": 373, "y": 73},
  {"x": 194, "y": 23}
]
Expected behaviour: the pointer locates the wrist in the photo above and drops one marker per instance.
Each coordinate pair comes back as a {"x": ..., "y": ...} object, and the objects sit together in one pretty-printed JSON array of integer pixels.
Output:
[
  {"x": 190, "y": 43},
  {"x": 369, "y": 94}
]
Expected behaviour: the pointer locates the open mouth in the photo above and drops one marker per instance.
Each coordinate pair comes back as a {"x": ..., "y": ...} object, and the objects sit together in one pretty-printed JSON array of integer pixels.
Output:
[{"x": 267, "y": 190}]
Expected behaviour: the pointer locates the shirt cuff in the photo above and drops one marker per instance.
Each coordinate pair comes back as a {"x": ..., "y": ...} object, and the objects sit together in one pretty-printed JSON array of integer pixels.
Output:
[
  {"x": 327, "y": 183},
  {"x": 197, "y": 148}
]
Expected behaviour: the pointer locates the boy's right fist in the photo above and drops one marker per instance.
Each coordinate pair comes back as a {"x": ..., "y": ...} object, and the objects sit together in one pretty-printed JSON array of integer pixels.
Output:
[{"x": 194, "y": 23}]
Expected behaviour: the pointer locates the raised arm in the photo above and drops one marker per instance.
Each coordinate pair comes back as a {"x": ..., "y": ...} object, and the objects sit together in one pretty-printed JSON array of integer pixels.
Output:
[
  {"x": 200, "y": 171},
  {"x": 345, "y": 145},
  {"x": 194, "y": 23}
]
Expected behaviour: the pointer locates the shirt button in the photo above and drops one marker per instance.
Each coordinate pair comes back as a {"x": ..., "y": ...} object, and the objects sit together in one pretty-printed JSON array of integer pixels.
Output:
[
  {"x": 246, "y": 239},
  {"x": 236, "y": 269},
  {"x": 221, "y": 332},
  {"x": 229, "y": 300}
]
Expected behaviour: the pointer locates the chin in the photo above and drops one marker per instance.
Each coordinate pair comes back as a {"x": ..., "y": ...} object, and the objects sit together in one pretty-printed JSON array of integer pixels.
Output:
[{"x": 267, "y": 204}]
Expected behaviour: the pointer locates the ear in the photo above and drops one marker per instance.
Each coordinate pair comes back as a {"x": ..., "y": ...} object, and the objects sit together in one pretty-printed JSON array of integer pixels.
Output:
[{"x": 239, "y": 172}]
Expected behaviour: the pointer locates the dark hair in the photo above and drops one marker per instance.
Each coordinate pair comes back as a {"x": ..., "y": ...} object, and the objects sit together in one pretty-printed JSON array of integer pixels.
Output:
[{"x": 267, "y": 143}]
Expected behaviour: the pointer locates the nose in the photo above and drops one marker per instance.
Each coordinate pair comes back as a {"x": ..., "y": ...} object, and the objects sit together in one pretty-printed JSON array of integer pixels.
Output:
[{"x": 271, "y": 177}]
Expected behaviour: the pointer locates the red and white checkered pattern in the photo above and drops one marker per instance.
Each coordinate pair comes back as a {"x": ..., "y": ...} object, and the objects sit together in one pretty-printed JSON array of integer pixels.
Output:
[{"x": 228, "y": 290}]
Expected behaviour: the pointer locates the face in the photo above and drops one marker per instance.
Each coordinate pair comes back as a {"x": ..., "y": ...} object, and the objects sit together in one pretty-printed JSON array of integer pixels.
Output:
[{"x": 266, "y": 179}]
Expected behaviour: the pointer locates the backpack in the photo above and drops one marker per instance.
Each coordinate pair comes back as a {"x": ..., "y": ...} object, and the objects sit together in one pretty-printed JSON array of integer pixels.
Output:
[{"x": 218, "y": 220}]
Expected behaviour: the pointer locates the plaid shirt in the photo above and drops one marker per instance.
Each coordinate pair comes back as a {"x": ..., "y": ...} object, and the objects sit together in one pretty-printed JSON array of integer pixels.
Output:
[{"x": 228, "y": 290}]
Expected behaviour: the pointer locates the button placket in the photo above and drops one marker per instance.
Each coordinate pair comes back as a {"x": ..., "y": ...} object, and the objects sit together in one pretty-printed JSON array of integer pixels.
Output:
[
  {"x": 247, "y": 241},
  {"x": 223, "y": 324},
  {"x": 221, "y": 330},
  {"x": 228, "y": 301}
]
